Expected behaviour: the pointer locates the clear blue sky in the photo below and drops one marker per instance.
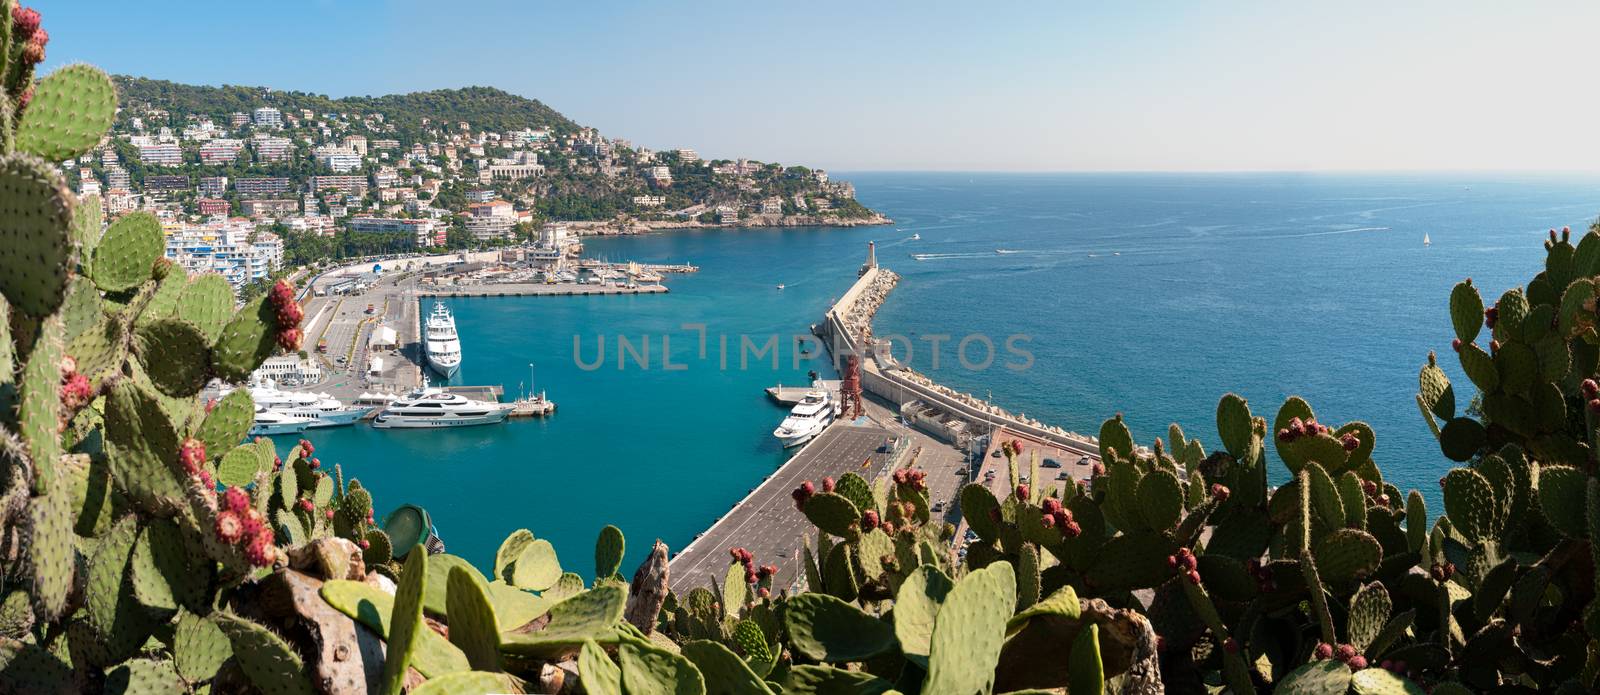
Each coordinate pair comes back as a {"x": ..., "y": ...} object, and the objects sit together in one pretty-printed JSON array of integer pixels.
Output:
[{"x": 870, "y": 84}]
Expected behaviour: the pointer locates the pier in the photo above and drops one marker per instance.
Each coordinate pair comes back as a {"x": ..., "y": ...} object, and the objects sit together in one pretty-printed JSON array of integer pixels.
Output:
[
  {"x": 955, "y": 437},
  {"x": 766, "y": 521},
  {"x": 566, "y": 289},
  {"x": 790, "y": 395}
]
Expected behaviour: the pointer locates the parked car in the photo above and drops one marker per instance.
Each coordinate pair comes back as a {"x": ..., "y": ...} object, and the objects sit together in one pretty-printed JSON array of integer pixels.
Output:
[{"x": 1051, "y": 463}]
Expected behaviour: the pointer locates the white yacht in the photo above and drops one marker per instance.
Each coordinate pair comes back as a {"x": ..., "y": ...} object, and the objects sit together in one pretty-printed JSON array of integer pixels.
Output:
[
  {"x": 274, "y": 422},
  {"x": 433, "y": 407},
  {"x": 916, "y": 237},
  {"x": 441, "y": 344},
  {"x": 807, "y": 419},
  {"x": 322, "y": 409}
]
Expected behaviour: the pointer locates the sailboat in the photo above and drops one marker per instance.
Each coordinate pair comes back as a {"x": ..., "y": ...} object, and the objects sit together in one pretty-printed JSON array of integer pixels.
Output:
[{"x": 1425, "y": 241}]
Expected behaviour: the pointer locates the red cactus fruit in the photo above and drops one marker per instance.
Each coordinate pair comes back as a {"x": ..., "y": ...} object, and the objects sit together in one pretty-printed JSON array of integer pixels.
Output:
[
  {"x": 235, "y": 499},
  {"x": 261, "y": 552},
  {"x": 251, "y": 522},
  {"x": 24, "y": 21},
  {"x": 1437, "y": 572},
  {"x": 1172, "y": 562},
  {"x": 888, "y": 528},
  {"x": 827, "y": 484},
  {"x": 1345, "y": 652},
  {"x": 289, "y": 339},
  {"x": 735, "y": 554},
  {"x": 1369, "y": 487},
  {"x": 1349, "y": 442},
  {"x": 1016, "y": 446},
  {"x": 306, "y": 505},
  {"x": 314, "y": 463},
  {"x": 1071, "y": 529},
  {"x": 1022, "y": 491},
  {"x": 1194, "y": 577},
  {"x": 1594, "y": 405},
  {"x": 1050, "y": 505},
  {"x": 1098, "y": 469},
  {"x": 33, "y": 50},
  {"x": 364, "y": 543},
  {"x": 1220, "y": 492},
  {"x": 1591, "y": 389},
  {"x": 192, "y": 454},
  {"x": 1490, "y": 315},
  {"x": 76, "y": 391},
  {"x": 1047, "y": 521},
  {"x": 763, "y": 592},
  {"x": 768, "y": 571},
  {"x": 1494, "y": 346},
  {"x": 1324, "y": 650},
  {"x": 328, "y": 515},
  {"x": 750, "y": 577},
  {"x": 1230, "y": 645},
  {"x": 869, "y": 520},
  {"x": 1456, "y": 345},
  {"x": 307, "y": 448},
  {"x": 229, "y": 527},
  {"x": 1357, "y": 662}
]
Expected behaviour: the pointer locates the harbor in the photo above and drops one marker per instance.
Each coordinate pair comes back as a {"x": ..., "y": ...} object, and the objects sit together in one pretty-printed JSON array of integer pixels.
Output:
[{"x": 907, "y": 420}]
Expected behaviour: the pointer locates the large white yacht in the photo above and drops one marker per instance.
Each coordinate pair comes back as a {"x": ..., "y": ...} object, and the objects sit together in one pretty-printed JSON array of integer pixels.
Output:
[
  {"x": 322, "y": 409},
  {"x": 807, "y": 419},
  {"x": 434, "y": 407},
  {"x": 440, "y": 342},
  {"x": 274, "y": 422}
]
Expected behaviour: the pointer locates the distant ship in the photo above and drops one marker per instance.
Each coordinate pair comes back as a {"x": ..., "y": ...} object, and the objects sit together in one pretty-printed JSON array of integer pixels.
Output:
[
  {"x": 442, "y": 345},
  {"x": 320, "y": 409},
  {"x": 916, "y": 237},
  {"x": 1425, "y": 241},
  {"x": 780, "y": 285},
  {"x": 275, "y": 422},
  {"x": 920, "y": 256},
  {"x": 1005, "y": 251}
]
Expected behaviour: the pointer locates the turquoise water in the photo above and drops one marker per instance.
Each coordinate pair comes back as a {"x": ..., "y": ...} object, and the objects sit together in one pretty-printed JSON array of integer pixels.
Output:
[{"x": 1146, "y": 294}]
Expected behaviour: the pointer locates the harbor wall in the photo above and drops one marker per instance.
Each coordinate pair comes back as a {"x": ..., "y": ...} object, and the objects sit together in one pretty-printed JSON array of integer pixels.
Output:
[{"x": 894, "y": 383}]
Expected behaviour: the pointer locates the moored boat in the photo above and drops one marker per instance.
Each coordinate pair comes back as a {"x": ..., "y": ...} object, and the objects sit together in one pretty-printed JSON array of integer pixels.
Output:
[
  {"x": 431, "y": 407},
  {"x": 815, "y": 411},
  {"x": 441, "y": 344}
]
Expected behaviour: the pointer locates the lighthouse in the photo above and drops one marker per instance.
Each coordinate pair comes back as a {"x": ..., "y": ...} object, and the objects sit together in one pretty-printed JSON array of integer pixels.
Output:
[{"x": 872, "y": 259}]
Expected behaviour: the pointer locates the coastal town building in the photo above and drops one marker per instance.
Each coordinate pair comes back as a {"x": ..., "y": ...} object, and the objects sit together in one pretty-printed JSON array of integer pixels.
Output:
[
  {"x": 236, "y": 250},
  {"x": 261, "y": 187},
  {"x": 339, "y": 159},
  {"x": 165, "y": 154},
  {"x": 269, "y": 207},
  {"x": 661, "y": 175},
  {"x": 492, "y": 220},
  {"x": 267, "y": 117},
  {"x": 213, "y": 206},
  {"x": 688, "y": 156},
  {"x": 348, "y": 185},
  {"x": 649, "y": 201},
  {"x": 281, "y": 368},
  {"x": 120, "y": 201},
  {"x": 220, "y": 151},
  {"x": 166, "y": 182},
  {"x": 272, "y": 149},
  {"x": 213, "y": 186},
  {"x": 421, "y": 232}
]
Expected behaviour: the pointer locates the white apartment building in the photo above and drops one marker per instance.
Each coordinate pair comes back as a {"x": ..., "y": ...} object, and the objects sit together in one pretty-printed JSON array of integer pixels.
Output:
[
  {"x": 221, "y": 151},
  {"x": 272, "y": 149},
  {"x": 340, "y": 159},
  {"x": 688, "y": 156},
  {"x": 225, "y": 248},
  {"x": 268, "y": 117},
  {"x": 279, "y": 367},
  {"x": 213, "y": 186},
  {"x": 166, "y": 154},
  {"x": 649, "y": 201},
  {"x": 662, "y": 175},
  {"x": 421, "y": 232}
]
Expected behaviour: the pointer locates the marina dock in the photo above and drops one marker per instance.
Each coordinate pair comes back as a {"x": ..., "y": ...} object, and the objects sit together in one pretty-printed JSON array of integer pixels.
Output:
[
  {"x": 790, "y": 395},
  {"x": 565, "y": 289},
  {"x": 766, "y": 521}
]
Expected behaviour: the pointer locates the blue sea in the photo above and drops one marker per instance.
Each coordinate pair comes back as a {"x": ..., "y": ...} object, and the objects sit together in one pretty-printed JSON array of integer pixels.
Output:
[{"x": 1145, "y": 294}]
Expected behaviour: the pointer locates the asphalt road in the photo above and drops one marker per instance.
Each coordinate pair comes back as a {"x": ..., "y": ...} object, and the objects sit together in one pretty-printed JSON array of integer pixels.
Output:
[{"x": 767, "y": 523}]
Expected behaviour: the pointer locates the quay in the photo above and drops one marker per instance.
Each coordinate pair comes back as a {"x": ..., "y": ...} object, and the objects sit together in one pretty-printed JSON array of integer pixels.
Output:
[
  {"x": 566, "y": 289},
  {"x": 790, "y": 395},
  {"x": 766, "y": 521}
]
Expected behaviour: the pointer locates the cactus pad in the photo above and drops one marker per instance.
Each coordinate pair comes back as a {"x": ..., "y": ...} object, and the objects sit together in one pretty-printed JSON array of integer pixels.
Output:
[
  {"x": 127, "y": 253},
  {"x": 1369, "y": 612},
  {"x": 608, "y": 551},
  {"x": 833, "y": 513},
  {"x": 436, "y": 599},
  {"x": 1377, "y": 681},
  {"x": 824, "y": 680},
  {"x": 1470, "y": 503},
  {"x": 592, "y": 614},
  {"x": 466, "y": 683},
  {"x": 39, "y": 412},
  {"x": 405, "y": 624},
  {"x": 1131, "y": 561},
  {"x": 1346, "y": 555},
  {"x": 916, "y": 607},
  {"x": 537, "y": 567},
  {"x": 246, "y": 341},
  {"x": 647, "y": 668},
  {"x": 373, "y": 608},
  {"x": 207, "y": 300},
  {"x": 270, "y": 662},
  {"x": 1563, "y": 499},
  {"x": 724, "y": 671},
  {"x": 175, "y": 355},
  {"x": 1116, "y": 442},
  {"x": 35, "y": 250},
  {"x": 1466, "y": 311},
  {"x": 978, "y": 506},
  {"x": 970, "y": 631},
  {"x": 199, "y": 647},
  {"x": 1234, "y": 424},
  {"x": 510, "y": 549},
  {"x": 855, "y": 488},
  {"x": 144, "y": 676},
  {"x": 473, "y": 626},
  {"x": 1326, "y": 677},
  {"x": 72, "y": 109},
  {"x": 599, "y": 675},
  {"x": 1085, "y": 672},
  {"x": 825, "y": 628},
  {"x": 1160, "y": 499}
]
